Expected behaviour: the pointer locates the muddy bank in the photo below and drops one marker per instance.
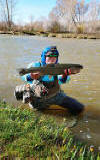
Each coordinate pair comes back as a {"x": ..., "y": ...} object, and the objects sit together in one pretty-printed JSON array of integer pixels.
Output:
[{"x": 58, "y": 35}]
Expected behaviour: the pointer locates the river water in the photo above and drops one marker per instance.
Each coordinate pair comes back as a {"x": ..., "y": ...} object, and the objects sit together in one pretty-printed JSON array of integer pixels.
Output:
[{"x": 19, "y": 51}]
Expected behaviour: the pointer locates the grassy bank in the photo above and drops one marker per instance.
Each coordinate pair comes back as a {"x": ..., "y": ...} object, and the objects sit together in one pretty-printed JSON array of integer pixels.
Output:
[{"x": 26, "y": 134}]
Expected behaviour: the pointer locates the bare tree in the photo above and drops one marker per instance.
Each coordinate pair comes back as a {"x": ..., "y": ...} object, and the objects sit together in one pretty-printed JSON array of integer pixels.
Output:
[
  {"x": 72, "y": 11},
  {"x": 38, "y": 26},
  {"x": 93, "y": 16},
  {"x": 80, "y": 10},
  {"x": 94, "y": 10},
  {"x": 7, "y": 11},
  {"x": 54, "y": 27}
]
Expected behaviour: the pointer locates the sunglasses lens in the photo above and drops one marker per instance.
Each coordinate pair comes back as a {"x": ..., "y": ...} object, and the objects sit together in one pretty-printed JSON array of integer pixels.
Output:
[
  {"x": 52, "y": 55},
  {"x": 55, "y": 55}
]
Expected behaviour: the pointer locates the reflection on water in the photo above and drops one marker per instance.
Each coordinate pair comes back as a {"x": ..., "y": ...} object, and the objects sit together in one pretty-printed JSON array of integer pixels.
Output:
[{"x": 18, "y": 51}]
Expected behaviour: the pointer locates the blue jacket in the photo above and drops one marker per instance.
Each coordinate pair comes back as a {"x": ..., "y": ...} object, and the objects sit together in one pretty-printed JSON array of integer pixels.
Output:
[{"x": 28, "y": 79}]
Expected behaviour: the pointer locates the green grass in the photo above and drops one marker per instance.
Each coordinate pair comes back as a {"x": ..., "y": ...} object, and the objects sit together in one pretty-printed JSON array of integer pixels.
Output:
[{"x": 26, "y": 134}]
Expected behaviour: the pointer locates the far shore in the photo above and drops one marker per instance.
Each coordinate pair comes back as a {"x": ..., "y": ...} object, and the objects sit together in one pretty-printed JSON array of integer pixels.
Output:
[{"x": 58, "y": 35}]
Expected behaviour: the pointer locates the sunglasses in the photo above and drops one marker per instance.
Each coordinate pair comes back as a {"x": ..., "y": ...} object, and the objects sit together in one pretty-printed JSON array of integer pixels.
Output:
[{"x": 52, "y": 55}]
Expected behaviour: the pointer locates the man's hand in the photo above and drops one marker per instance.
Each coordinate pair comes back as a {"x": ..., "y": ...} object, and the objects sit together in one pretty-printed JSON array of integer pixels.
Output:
[
  {"x": 35, "y": 75},
  {"x": 27, "y": 87},
  {"x": 71, "y": 71},
  {"x": 67, "y": 72}
]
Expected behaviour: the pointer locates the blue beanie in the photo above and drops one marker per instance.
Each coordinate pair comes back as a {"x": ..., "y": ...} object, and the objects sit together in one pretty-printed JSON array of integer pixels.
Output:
[{"x": 51, "y": 49}]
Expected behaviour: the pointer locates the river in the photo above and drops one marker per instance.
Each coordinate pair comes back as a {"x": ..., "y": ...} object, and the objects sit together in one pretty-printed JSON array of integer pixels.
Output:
[{"x": 19, "y": 51}]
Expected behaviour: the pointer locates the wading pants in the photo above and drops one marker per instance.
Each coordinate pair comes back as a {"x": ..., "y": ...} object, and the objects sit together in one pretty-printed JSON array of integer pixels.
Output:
[{"x": 61, "y": 99}]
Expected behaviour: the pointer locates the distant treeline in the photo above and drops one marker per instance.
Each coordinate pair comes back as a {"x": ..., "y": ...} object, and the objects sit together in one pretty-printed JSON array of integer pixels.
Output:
[{"x": 53, "y": 27}]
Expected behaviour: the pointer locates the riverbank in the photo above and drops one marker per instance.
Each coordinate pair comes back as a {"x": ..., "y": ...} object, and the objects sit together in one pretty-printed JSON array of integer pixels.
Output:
[
  {"x": 26, "y": 134},
  {"x": 58, "y": 35}
]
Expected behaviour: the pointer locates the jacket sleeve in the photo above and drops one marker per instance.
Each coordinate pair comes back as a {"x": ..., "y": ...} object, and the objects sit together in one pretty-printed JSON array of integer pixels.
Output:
[
  {"x": 27, "y": 77},
  {"x": 62, "y": 80}
]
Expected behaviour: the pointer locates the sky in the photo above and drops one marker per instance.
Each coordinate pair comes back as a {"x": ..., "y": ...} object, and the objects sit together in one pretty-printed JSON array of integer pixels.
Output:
[
  {"x": 27, "y": 10},
  {"x": 35, "y": 9}
]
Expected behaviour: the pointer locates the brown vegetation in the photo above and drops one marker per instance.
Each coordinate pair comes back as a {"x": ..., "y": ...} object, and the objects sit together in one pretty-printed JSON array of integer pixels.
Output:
[{"x": 66, "y": 17}]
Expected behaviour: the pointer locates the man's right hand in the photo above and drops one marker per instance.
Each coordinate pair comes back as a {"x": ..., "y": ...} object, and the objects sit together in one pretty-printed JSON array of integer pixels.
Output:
[
  {"x": 35, "y": 75},
  {"x": 27, "y": 87}
]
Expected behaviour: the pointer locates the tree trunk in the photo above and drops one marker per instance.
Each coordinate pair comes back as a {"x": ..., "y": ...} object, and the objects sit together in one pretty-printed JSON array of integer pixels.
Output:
[{"x": 8, "y": 16}]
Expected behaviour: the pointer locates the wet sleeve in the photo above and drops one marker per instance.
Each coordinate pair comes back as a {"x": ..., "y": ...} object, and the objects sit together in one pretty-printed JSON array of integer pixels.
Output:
[
  {"x": 27, "y": 77},
  {"x": 62, "y": 80}
]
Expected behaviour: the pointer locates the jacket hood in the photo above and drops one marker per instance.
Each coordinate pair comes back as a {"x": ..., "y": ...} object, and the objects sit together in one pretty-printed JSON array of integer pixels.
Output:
[{"x": 51, "y": 49}]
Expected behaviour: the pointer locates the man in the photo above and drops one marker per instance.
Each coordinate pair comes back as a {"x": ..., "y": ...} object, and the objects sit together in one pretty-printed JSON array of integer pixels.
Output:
[{"x": 50, "y": 91}]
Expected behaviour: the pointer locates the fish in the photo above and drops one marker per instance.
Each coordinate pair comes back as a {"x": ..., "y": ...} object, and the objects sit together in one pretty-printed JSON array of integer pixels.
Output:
[{"x": 51, "y": 69}]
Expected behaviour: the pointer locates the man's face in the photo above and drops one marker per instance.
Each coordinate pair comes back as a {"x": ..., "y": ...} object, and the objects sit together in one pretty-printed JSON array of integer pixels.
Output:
[{"x": 51, "y": 59}]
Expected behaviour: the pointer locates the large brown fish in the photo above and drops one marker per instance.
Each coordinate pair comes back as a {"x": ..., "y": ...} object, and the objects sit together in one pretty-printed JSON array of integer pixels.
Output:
[{"x": 51, "y": 69}]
